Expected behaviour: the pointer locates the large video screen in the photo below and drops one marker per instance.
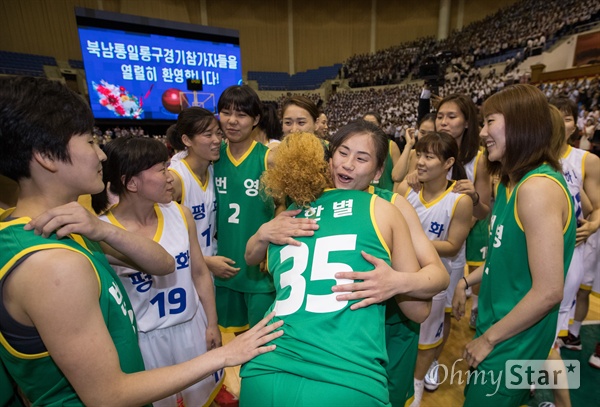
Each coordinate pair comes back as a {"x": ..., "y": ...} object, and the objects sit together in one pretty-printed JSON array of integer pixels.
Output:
[{"x": 138, "y": 69}]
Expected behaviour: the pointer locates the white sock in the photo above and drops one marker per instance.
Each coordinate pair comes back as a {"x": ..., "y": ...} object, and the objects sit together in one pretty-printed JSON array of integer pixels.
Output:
[
  {"x": 474, "y": 301},
  {"x": 575, "y": 327},
  {"x": 419, "y": 387}
]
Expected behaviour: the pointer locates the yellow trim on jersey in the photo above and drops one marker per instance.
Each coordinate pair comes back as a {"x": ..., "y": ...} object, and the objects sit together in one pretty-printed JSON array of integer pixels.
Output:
[
  {"x": 409, "y": 401},
  {"x": 215, "y": 391},
  {"x": 583, "y": 157},
  {"x": 181, "y": 182},
  {"x": 182, "y": 215},
  {"x": 18, "y": 221},
  {"x": 583, "y": 164},
  {"x": 431, "y": 346},
  {"x": 114, "y": 220},
  {"x": 377, "y": 231},
  {"x": 461, "y": 196},
  {"x": 267, "y": 158},
  {"x": 390, "y": 150},
  {"x": 371, "y": 189},
  {"x": 11, "y": 263},
  {"x": 203, "y": 186},
  {"x": 159, "y": 215},
  {"x": 567, "y": 194},
  {"x": 234, "y": 329},
  {"x": 6, "y": 213},
  {"x": 563, "y": 332},
  {"x": 243, "y": 157},
  {"x": 161, "y": 223},
  {"x": 436, "y": 200},
  {"x": 595, "y": 294},
  {"x": 475, "y": 263},
  {"x": 448, "y": 310},
  {"x": 477, "y": 158},
  {"x": 585, "y": 287}
]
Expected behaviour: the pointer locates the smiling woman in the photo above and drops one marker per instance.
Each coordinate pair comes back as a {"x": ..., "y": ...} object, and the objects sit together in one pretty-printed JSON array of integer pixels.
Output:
[
  {"x": 531, "y": 245},
  {"x": 197, "y": 134},
  {"x": 299, "y": 113},
  {"x": 180, "y": 305}
]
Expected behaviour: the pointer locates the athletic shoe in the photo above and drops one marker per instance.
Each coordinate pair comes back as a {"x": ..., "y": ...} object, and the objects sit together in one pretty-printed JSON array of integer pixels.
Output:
[
  {"x": 225, "y": 399},
  {"x": 571, "y": 341},
  {"x": 473, "y": 319},
  {"x": 595, "y": 357},
  {"x": 432, "y": 377}
]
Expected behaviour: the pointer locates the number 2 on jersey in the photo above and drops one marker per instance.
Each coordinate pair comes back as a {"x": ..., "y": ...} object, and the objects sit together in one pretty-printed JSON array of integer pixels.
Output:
[
  {"x": 236, "y": 212},
  {"x": 320, "y": 269}
]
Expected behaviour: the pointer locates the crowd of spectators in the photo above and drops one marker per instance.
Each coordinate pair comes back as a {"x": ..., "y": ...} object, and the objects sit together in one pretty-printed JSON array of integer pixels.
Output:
[
  {"x": 104, "y": 136},
  {"x": 524, "y": 27},
  {"x": 398, "y": 104}
]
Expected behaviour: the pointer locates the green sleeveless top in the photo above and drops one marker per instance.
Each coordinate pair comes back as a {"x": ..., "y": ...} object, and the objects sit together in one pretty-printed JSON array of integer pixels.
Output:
[
  {"x": 36, "y": 374},
  {"x": 393, "y": 313},
  {"x": 323, "y": 339},
  {"x": 386, "y": 182},
  {"x": 241, "y": 210},
  {"x": 507, "y": 276}
]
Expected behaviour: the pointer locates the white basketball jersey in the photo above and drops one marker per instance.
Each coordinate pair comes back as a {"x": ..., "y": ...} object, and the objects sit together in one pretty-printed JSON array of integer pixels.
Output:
[
  {"x": 202, "y": 201},
  {"x": 573, "y": 169},
  {"x": 436, "y": 216},
  {"x": 162, "y": 301},
  {"x": 470, "y": 168}
]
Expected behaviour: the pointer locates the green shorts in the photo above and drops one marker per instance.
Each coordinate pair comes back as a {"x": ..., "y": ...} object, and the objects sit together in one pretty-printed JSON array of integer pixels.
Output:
[
  {"x": 285, "y": 389},
  {"x": 402, "y": 343},
  {"x": 492, "y": 394},
  {"x": 238, "y": 311},
  {"x": 477, "y": 242}
]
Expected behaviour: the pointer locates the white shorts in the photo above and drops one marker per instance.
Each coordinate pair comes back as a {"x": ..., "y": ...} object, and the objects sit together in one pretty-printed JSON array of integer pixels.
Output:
[
  {"x": 432, "y": 329},
  {"x": 177, "y": 344},
  {"x": 455, "y": 275},
  {"x": 591, "y": 264},
  {"x": 572, "y": 282}
]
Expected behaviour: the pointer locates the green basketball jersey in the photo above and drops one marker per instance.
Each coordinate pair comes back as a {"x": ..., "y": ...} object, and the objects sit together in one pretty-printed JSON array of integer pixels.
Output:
[
  {"x": 241, "y": 210},
  {"x": 507, "y": 277},
  {"x": 323, "y": 339},
  {"x": 393, "y": 314},
  {"x": 401, "y": 338},
  {"x": 386, "y": 182},
  {"x": 36, "y": 374},
  {"x": 8, "y": 393}
]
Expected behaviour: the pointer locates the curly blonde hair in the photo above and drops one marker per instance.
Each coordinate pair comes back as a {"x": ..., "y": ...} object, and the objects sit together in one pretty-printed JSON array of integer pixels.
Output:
[{"x": 300, "y": 170}]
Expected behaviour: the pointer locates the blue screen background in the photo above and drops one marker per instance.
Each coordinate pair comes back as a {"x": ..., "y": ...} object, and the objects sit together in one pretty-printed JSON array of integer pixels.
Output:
[{"x": 148, "y": 88}]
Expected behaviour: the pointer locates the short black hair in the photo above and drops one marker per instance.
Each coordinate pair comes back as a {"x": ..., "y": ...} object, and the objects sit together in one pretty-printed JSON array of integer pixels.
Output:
[
  {"x": 38, "y": 115},
  {"x": 242, "y": 98}
]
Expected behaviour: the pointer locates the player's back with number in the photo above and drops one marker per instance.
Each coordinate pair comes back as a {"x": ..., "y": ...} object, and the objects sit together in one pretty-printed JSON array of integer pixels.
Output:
[{"x": 303, "y": 276}]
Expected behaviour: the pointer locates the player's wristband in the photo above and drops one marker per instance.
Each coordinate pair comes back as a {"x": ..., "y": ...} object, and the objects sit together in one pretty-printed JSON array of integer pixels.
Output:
[{"x": 466, "y": 283}]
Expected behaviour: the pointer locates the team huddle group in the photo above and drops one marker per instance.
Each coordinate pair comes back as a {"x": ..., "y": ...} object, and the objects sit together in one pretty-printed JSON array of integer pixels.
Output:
[{"x": 337, "y": 260}]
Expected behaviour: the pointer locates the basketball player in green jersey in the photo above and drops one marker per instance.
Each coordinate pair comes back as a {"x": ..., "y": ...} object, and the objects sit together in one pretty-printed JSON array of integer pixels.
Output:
[
  {"x": 367, "y": 148},
  {"x": 531, "y": 244},
  {"x": 71, "y": 334},
  {"x": 346, "y": 364},
  {"x": 243, "y": 298}
]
